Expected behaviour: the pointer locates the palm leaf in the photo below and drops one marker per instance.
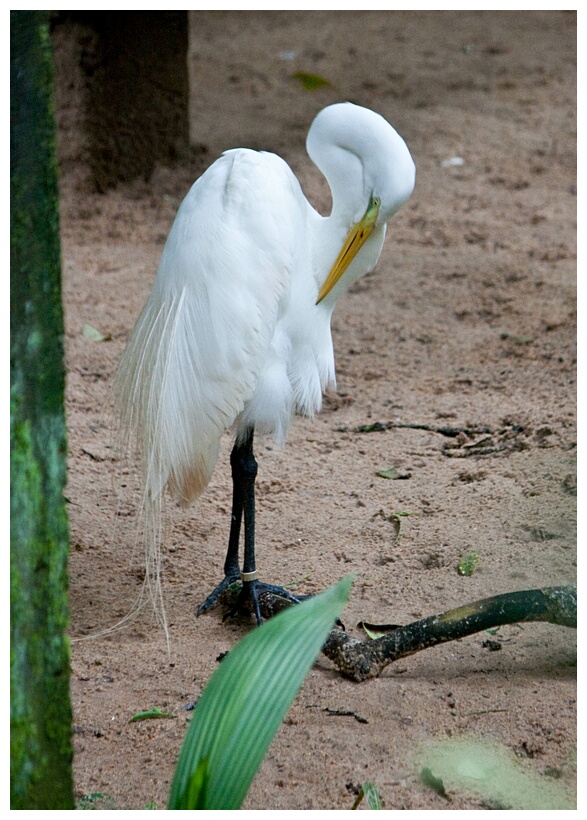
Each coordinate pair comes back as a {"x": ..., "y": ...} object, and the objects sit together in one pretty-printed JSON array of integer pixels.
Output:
[{"x": 245, "y": 701}]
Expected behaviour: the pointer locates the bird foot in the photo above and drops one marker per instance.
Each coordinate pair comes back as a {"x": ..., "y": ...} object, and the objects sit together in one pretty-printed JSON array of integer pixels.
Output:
[
  {"x": 230, "y": 578},
  {"x": 248, "y": 598}
]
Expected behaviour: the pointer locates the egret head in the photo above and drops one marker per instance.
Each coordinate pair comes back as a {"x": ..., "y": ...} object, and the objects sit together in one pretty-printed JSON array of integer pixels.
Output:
[
  {"x": 362, "y": 157},
  {"x": 370, "y": 172}
]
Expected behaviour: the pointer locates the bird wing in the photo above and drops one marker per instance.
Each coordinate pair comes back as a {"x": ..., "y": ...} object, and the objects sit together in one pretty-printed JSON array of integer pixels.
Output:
[{"x": 194, "y": 357}]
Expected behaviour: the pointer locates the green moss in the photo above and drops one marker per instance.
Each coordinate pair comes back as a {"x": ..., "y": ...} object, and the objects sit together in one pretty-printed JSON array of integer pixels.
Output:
[{"x": 41, "y": 750}]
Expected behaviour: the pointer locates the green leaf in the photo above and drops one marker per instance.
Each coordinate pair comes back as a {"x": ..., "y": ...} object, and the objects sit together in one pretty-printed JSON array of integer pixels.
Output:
[
  {"x": 310, "y": 81},
  {"x": 245, "y": 701},
  {"x": 371, "y": 795},
  {"x": 197, "y": 788},
  {"x": 428, "y": 779},
  {"x": 95, "y": 335},
  {"x": 391, "y": 473},
  {"x": 468, "y": 563},
  {"x": 375, "y": 631},
  {"x": 149, "y": 714},
  {"x": 96, "y": 801}
]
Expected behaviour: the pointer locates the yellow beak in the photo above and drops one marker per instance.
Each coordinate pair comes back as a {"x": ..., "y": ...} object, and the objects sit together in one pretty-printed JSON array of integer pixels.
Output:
[{"x": 355, "y": 240}]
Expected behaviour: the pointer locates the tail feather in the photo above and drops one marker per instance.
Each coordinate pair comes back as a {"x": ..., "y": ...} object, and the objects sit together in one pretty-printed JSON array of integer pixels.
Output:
[
  {"x": 162, "y": 411},
  {"x": 163, "y": 420}
]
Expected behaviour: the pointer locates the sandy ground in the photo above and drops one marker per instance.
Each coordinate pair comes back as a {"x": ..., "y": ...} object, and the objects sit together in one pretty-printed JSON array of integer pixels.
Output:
[{"x": 469, "y": 320}]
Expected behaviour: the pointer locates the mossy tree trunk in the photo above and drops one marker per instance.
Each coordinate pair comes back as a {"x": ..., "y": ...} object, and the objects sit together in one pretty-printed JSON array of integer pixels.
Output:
[{"x": 41, "y": 749}]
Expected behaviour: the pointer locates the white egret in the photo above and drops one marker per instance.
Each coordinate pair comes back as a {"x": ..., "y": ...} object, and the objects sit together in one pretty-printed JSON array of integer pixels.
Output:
[{"x": 236, "y": 331}]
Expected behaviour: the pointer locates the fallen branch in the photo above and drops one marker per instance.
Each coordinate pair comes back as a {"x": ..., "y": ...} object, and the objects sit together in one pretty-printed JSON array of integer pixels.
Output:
[{"x": 361, "y": 660}]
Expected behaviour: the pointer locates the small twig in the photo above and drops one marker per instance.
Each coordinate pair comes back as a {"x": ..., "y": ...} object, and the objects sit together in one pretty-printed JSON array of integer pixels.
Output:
[
  {"x": 345, "y": 713},
  {"x": 93, "y": 456},
  {"x": 450, "y": 432},
  {"x": 339, "y": 712},
  {"x": 485, "y": 712},
  {"x": 463, "y": 444}
]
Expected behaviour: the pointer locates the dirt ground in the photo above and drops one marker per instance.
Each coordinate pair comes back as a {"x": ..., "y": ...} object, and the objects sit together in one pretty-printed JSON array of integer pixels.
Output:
[{"x": 469, "y": 321}]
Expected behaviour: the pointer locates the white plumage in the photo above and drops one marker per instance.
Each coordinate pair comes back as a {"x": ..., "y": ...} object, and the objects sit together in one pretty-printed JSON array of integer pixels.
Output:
[{"x": 236, "y": 331}]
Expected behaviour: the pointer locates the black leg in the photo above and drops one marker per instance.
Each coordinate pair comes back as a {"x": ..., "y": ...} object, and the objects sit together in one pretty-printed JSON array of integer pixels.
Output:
[
  {"x": 244, "y": 470},
  {"x": 244, "y": 473},
  {"x": 238, "y": 458},
  {"x": 240, "y": 462}
]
